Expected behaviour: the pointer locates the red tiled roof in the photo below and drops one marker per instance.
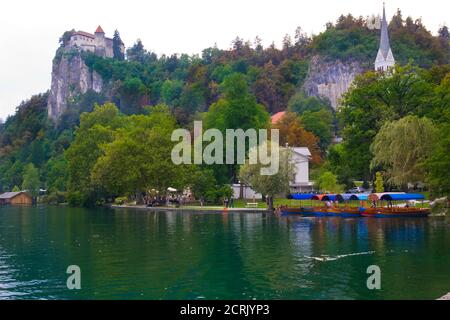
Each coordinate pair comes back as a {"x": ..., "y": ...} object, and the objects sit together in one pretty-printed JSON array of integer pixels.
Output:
[
  {"x": 278, "y": 116},
  {"x": 99, "y": 30}
]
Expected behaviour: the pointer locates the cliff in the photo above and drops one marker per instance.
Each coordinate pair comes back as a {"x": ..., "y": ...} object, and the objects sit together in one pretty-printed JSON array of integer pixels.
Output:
[
  {"x": 330, "y": 79},
  {"x": 70, "y": 79}
]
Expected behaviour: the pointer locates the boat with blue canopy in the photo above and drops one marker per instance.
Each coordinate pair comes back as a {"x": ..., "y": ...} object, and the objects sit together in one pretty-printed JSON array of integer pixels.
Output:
[
  {"x": 397, "y": 205},
  {"x": 382, "y": 205}
]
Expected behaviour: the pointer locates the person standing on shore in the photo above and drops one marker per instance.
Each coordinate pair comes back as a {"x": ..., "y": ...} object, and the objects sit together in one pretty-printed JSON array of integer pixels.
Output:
[{"x": 202, "y": 201}]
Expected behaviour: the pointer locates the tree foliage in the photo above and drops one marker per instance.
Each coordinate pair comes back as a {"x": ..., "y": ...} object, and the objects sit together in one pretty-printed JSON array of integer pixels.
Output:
[
  {"x": 144, "y": 145},
  {"x": 327, "y": 182},
  {"x": 377, "y": 98},
  {"x": 402, "y": 147},
  {"x": 31, "y": 181},
  {"x": 270, "y": 185},
  {"x": 292, "y": 133},
  {"x": 379, "y": 183}
]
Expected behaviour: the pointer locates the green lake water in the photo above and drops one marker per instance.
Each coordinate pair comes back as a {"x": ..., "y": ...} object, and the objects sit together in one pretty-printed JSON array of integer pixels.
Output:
[{"x": 133, "y": 254}]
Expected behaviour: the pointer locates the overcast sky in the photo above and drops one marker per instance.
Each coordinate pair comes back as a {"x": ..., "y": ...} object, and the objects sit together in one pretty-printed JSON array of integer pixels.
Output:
[{"x": 30, "y": 29}]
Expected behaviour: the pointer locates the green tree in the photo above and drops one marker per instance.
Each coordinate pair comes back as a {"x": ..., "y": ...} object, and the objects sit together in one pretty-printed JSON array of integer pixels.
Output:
[
  {"x": 235, "y": 109},
  {"x": 31, "y": 181},
  {"x": 437, "y": 166},
  {"x": 402, "y": 147},
  {"x": 379, "y": 183},
  {"x": 299, "y": 103},
  {"x": 374, "y": 99},
  {"x": 139, "y": 157},
  {"x": 57, "y": 173},
  {"x": 320, "y": 123},
  {"x": 202, "y": 182},
  {"x": 270, "y": 185},
  {"x": 117, "y": 46},
  {"x": 16, "y": 189},
  {"x": 137, "y": 53},
  {"x": 327, "y": 182},
  {"x": 171, "y": 91},
  {"x": 96, "y": 129},
  {"x": 65, "y": 38}
]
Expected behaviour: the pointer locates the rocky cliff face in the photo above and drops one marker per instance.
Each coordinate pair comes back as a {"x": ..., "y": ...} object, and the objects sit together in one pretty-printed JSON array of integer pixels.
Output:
[
  {"x": 330, "y": 80},
  {"x": 70, "y": 78}
]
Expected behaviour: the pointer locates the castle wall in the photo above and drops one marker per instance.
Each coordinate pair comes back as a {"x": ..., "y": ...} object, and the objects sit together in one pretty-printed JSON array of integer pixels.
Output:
[{"x": 98, "y": 44}]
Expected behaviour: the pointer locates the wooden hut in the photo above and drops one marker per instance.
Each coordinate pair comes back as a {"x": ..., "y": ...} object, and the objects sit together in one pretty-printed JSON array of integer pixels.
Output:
[{"x": 16, "y": 198}]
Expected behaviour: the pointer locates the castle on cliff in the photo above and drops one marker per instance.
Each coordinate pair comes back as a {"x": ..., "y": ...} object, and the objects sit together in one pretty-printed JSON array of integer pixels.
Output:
[{"x": 96, "y": 43}]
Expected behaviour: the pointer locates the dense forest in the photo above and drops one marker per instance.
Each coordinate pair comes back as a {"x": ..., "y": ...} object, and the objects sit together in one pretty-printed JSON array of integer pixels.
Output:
[{"x": 81, "y": 157}]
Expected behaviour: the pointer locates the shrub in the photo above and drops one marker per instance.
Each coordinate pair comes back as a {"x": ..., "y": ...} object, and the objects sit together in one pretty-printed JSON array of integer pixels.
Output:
[
  {"x": 120, "y": 200},
  {"x": 55, "y": 197},
  {"x": 218, "y": 194},
  {"x": 75, "y": 199}
]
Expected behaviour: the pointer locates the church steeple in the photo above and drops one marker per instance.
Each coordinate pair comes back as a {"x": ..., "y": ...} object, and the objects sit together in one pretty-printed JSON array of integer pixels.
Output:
[{"x": 385, "y": 58}]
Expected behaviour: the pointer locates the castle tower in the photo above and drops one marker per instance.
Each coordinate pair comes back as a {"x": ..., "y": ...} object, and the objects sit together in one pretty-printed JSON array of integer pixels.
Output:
[
  {"x": 99, "y": 32},
  {"x": 99, "y": 38},
  {"x": 385, "y": 58}
]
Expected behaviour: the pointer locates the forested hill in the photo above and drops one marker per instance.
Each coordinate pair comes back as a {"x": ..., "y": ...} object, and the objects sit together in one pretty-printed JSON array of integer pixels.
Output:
[{"x": 189, "y": 85}]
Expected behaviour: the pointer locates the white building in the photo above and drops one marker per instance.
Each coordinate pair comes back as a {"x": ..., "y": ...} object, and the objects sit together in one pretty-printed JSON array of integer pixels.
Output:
[
  {"x": 385, "y": 58},
  {"x": 96, "y": 43},
  {"x": 300, "y": 158}
]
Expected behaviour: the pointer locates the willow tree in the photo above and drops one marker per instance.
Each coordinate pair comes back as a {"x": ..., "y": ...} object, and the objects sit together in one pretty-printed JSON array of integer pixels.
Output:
[{"x": 402, "y": 148}]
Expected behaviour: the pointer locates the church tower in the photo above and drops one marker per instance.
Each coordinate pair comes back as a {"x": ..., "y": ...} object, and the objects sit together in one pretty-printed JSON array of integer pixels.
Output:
[{"x": 385, "y": 58}]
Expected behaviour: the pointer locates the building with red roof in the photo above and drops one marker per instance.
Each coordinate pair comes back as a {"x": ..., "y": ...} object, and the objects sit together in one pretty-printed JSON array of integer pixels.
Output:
[
  {"x": 96, "y": 43},
  {"x": 278, "y": 116}
]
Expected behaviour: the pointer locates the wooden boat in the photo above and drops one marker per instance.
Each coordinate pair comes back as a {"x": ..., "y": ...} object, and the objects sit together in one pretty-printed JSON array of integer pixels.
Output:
[
  {"x": 326, "y": 212},
  {"x": 391, "y": 211},
  {"x": 310, "y": 211},
  {"x": 395, "y": 212},
  {"x": 349, "y": 212},
  {"x": 346, "y": 211},
  {"x": 296, "y": 210}
]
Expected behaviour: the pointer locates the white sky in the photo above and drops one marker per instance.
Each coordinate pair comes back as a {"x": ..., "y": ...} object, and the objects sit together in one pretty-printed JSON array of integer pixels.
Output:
[{"x": 30, "y": 29}]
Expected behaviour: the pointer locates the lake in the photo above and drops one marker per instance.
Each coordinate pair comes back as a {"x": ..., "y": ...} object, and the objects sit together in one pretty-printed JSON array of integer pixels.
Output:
[{"x": 136, "y": 254}]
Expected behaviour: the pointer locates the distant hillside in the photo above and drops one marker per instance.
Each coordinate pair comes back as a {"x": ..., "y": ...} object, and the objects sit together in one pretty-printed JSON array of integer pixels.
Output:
[{"x": 323, "y": 65}]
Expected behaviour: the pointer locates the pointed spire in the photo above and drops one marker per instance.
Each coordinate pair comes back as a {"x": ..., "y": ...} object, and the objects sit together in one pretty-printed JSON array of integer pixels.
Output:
[
  {"x": 385, "y": 58},
  {"x": 384, "y": 40},
  {"x": 99, "y": 30}
]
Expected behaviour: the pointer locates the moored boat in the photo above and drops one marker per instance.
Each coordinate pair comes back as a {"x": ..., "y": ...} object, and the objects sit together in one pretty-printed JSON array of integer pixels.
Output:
[
  {"x": 396, "y": 212},
  {"x": 391, "y": 211},
  {"x": 349, "y": 212},
  {"x": 296, "y": 210},
  {"x": 332, "y": 208}
]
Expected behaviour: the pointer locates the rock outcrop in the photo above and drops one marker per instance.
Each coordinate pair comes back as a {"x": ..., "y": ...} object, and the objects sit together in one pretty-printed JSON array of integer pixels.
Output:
[
  {"x": 70, "y": 78},
  {"x": 330, "y": 80}
]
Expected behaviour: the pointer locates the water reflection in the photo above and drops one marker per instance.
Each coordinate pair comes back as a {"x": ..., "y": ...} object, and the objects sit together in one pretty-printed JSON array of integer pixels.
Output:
[{"x": 130, "y": 254}]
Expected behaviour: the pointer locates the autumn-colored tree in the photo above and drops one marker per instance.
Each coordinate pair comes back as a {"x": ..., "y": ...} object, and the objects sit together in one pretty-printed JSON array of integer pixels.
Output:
[
  {"x": 268, "y": 90},
  {"x": 293, "y": 133}
]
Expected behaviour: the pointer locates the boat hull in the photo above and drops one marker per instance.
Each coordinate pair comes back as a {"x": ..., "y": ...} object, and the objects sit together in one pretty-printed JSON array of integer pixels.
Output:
[
  {"x": 396, "y": 212},
  {"x": 322, "y": 212},
  {"x": 356, "y": 212}
]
